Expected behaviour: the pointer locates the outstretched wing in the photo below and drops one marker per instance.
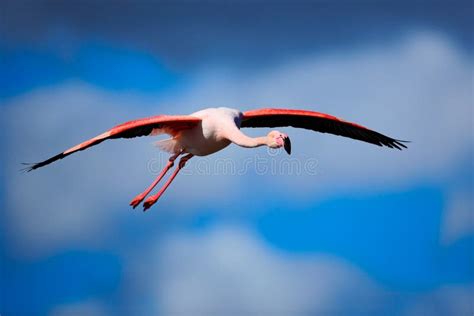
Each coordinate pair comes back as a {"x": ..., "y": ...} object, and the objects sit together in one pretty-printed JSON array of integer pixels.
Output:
[
  {"x": 318, "y": 122},
  {"x": 142, "y": 127}
]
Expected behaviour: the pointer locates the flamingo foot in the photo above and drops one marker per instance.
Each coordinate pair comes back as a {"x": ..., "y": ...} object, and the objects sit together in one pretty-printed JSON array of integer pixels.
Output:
[
  {"x": 149, "y": 202},
  {"x": 137, "y": 200}
]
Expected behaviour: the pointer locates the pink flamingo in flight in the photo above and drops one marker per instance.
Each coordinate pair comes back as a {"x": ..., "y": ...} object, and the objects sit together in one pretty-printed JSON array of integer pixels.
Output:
[{"x": 208, "y": 131}]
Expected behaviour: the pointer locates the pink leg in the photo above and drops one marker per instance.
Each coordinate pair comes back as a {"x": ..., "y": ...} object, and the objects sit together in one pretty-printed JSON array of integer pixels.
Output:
[
  {"x": 152, "y": 199},
  {"x": 139, "y": 198}
]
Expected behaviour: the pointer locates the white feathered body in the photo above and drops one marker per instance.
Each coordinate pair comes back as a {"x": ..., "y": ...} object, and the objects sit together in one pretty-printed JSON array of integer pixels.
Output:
[{"x": 209, "y": 136}]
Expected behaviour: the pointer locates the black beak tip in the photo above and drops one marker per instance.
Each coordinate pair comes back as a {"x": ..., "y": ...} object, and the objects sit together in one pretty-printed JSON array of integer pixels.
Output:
[{"x": 287, "y": 145}]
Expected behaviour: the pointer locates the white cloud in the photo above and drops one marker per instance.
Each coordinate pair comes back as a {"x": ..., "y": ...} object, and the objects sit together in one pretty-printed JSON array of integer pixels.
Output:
[
  {"x": 419, "y": 88},
  {"x": 228, "y": 271},
  {"x": 71, "y": 201}
]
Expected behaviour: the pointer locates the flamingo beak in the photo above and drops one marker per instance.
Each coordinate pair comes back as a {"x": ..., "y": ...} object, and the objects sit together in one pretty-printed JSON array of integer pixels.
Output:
[{"x": 287, "y": 145}]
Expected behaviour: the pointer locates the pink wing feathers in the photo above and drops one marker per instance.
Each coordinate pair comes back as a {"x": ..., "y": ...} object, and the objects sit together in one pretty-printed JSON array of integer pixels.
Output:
[
  {"x": 154, "y": 125},
  {"x": 318, "y": 122}
]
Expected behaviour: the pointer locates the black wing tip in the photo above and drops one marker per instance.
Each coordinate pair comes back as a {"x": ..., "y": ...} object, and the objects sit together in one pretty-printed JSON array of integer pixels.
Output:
[
  {"x": 30, "y": 166},
  {"x": 399, "y": 144},
  {"x": 402, "y": 141},
  {"x": 33, "y": 166}
]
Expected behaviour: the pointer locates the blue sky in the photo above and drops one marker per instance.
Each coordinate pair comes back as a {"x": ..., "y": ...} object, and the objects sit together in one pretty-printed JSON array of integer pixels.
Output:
[{"x": 385, "y": 232}]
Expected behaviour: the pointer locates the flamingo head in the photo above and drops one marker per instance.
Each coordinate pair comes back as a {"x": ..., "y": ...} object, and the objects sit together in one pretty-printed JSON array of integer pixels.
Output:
[{"x": 278, "y": 139}]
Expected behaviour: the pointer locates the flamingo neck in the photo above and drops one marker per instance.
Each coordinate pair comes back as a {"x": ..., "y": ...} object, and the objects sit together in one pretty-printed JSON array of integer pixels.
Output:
[
  {"x": 260, "y": 141},
  {"x": 243, "y": 140}
]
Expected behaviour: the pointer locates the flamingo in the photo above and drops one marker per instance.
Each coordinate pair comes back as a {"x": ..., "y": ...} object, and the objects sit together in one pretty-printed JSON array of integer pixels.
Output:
[{"x": 210, "y": 130}]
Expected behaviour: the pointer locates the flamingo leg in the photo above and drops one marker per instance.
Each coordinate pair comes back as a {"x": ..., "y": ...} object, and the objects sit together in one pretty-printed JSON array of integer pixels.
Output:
[
  {"x": 152, "y": 199},
  {"x": 139, "y": 198}
]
